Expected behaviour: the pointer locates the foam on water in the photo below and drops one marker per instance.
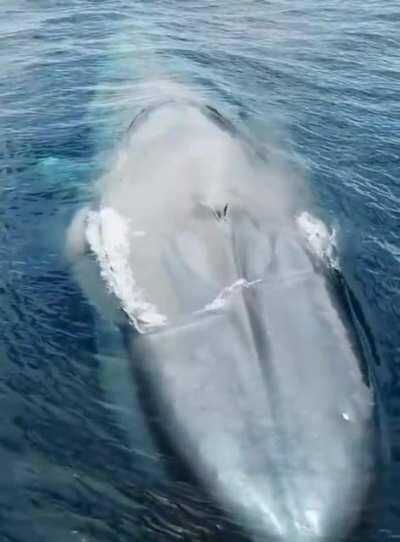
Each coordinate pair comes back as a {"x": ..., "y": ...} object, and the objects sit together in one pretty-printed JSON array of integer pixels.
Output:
[
  {"x": 320, "y": 240},
  {"x": 227, "y": 293},
  {"x": 108, "y": 236}
]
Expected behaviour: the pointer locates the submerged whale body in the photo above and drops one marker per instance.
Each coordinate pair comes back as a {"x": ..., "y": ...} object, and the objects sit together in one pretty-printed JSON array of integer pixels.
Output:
[{"x": 234, "y": 330}]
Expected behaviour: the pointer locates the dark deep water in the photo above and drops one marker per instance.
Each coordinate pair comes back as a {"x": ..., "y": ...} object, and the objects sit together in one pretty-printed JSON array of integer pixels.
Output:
[{"x": 320, "y": 80}]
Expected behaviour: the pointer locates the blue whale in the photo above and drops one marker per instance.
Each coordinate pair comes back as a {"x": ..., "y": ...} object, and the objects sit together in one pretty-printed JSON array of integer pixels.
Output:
[{"x": 236, "y": 332}]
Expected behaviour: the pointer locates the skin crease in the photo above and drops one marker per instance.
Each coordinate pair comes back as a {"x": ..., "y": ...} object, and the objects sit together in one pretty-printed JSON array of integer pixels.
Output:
[{"x": 262, "y": 396}]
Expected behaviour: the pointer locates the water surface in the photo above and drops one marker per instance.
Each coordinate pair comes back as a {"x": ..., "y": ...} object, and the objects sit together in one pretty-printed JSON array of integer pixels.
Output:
[{"x": 319, "y": 83}]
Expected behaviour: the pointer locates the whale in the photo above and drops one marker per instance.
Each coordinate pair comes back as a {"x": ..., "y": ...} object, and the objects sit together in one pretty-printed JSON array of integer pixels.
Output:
[{"x": 227, "y": 293}]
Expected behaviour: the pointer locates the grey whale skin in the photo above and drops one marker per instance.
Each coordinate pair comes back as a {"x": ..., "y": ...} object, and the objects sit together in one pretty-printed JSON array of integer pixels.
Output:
[{"x": 257, "y": 386}]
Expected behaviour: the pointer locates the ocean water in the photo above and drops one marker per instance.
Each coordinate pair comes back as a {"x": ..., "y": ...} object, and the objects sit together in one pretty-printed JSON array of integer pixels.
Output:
[{"x": 317, "y": 82}]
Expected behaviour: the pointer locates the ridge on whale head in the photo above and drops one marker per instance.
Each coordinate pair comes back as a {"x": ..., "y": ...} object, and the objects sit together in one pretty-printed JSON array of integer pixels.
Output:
[{"x": 234, "y": 331}]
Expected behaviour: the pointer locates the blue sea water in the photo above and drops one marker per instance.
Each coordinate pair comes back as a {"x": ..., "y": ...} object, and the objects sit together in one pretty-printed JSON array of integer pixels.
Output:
[{"x": 318, "y": 80}]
